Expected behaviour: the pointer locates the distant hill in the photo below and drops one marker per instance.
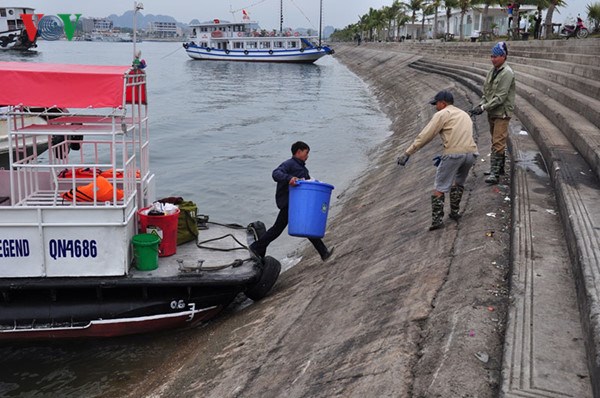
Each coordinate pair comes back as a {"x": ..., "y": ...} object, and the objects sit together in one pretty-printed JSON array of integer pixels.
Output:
[{"x": 126, "y": 21}]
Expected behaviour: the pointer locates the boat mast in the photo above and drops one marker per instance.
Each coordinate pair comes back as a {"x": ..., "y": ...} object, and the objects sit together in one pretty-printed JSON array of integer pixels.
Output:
[
  {"x": 320, "y": 21},
  {"x": 281, "y": 18},
  {"x": 136, "y": 7}
]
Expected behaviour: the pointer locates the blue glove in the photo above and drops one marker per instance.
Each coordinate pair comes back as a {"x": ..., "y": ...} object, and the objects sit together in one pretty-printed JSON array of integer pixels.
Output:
[
  {"x": 478, "y": 110},
  {"x": 403, "y": 159},
  {"x": 437, "y": 160}
]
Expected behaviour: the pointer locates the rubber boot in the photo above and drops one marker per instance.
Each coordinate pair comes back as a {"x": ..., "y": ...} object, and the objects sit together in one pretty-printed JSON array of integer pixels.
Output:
[
  {"x": 494, "y": 177},
  {"x": 437, "y": 212},
  {"x": 456, "y": 193},
  {"x": 501, "y": 171},
  {"x": 501, "y": 160}
]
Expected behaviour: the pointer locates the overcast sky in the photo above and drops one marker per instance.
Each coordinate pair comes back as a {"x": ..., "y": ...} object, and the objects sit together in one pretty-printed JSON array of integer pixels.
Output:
[{"x": 297, "y": 13}]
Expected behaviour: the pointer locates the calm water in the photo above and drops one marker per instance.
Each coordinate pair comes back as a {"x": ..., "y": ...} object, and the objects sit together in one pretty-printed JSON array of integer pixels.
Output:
[{"x": 218, "y": 130}]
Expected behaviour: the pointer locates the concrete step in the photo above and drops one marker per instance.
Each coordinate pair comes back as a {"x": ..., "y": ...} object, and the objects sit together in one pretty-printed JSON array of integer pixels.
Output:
[
  {"x": 583, "y": 70},
  {"x": 547, "y": 48},
  {"x": 577, "y": 193},
  {"x": 473, "y": 81},
  {"x": 535, "y": 55},
  {"x": 543, "y": 317}
]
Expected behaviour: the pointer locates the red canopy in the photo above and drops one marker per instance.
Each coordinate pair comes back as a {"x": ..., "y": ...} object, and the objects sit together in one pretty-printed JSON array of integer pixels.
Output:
[{"x": 64, "y": 86}]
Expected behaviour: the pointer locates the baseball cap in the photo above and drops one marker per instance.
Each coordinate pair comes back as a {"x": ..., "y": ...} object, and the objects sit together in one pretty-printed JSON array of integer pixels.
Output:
[{"x": 443, "y": 95}]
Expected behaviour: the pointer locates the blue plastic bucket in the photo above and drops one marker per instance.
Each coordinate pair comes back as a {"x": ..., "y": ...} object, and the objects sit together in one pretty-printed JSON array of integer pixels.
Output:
[{"x": 309, "y": 206}]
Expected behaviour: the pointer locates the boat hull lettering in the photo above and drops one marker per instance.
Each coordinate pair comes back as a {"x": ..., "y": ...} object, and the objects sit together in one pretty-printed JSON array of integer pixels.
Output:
[
  {"x": 14, "y": 248},
  {"x": 74, "y": 248}
]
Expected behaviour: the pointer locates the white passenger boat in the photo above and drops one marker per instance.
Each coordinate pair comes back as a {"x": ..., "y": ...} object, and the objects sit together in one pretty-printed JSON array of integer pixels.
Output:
[
  {"x": 245, "y": 41},
  {"x": 239, "y": 41},
  {"x": 68, "y": 260},
  {"x": 13, "y": 35}
]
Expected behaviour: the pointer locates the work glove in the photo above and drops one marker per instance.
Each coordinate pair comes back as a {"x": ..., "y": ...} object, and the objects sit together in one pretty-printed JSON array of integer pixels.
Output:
[
  {"x": 478, "y": 110},
  {"x": 403, "y": 159}
]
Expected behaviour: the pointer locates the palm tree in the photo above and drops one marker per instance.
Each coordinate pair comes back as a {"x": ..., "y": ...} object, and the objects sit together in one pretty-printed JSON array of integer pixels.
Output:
[
  {"x": 401, "y": 18},
  {"x": 436, "y": 5},
  {"x": 449, "y": 4},
  {"x": 464, "y": 6},
  {"x": 392, "y": 13},
  {"x": 593, "y": 11},
  {"x": 414, "y": 6},
  {"x": 484, "y": 15},
  {"x": 548, "y": 21},
  {"x": 427, "y": 10}
]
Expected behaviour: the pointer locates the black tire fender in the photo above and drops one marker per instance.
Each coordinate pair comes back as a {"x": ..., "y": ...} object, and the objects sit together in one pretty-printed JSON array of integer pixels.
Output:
[
  {"x": 270, "y": 272},
  {"x": 270, "y": 52},
  {"x": 302, "y": 50},
  {"x": 185, "y": 45},
  {"x": 226, "y": 51},
  {"x": 207, "y": 49},
  {"x": 245, "y": 52}
]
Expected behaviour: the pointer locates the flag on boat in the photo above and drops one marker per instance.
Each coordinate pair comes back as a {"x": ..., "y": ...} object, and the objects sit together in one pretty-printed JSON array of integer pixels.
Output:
[{"x": 245, "y": 13}]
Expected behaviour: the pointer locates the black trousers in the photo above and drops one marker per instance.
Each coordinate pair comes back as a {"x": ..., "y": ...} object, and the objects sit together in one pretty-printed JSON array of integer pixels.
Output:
[{"x": 260, "y": 246}]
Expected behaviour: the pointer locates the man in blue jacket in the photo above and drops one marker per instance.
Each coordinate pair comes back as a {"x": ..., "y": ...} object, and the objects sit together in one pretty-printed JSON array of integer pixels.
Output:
[{"x": 288, "y": 173}]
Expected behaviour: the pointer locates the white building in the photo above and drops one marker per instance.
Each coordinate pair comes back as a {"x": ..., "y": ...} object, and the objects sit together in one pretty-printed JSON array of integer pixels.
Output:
[
  {"x": 496, "y": 20},
  {"x": 96, "y": 25},
  {"x": 163, "y": 29}
]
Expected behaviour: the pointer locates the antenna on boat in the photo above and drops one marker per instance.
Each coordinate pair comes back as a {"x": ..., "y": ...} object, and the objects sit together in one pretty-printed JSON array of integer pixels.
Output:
[
  {"x": 136, "y": 7},
  {"x": 232, "y": 12}
]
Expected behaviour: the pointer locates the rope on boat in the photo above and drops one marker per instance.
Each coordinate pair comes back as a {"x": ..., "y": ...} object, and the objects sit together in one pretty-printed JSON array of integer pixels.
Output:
[
  {"x": 173, "y": 52},
  {"x": 235, "y": 263}
]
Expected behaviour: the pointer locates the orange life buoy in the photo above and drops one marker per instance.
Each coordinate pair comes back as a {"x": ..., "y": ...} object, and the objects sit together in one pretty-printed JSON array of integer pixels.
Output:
[
  {"x": 104, "y": 192},
  {"x": 240, "y": 34}
]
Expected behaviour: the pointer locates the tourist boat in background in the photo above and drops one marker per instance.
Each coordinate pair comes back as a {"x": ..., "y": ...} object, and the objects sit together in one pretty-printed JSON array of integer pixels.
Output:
[
  {"x": 13, "y": 35},
  {"x": 70, "y": 215},
  {"x": 245, "y": 41},
  {"x": 241, "y": 41}
]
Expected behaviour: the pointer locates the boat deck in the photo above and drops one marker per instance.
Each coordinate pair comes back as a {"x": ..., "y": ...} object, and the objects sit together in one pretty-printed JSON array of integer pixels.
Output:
[{"x": 225, "y": 247}]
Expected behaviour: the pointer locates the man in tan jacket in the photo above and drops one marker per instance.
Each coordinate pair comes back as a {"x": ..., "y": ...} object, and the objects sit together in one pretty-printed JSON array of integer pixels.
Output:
[{"x": 455, "y": 128}]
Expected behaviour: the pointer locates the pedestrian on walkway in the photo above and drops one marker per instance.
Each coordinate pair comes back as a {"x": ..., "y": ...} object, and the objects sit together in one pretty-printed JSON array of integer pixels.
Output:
[
  {"x": 456, "y": 131},
  {"x": 498, "y": 101},
  {"x": 288, "y": 173}
]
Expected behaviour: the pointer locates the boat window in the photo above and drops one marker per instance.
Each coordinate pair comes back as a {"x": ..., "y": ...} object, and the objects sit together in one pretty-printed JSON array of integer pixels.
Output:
[
  {"x": 251, "y": 44},
  {"x": 238, "y": 44},
  {"x": 277, "y": 44},
  {"x": 265, "y": 44},
  {"x": 2, "y": 12},
  {"x": 292, "y": 44},
  {"x": 203, "y": 44},
  {"x": 204, "y": 29}
]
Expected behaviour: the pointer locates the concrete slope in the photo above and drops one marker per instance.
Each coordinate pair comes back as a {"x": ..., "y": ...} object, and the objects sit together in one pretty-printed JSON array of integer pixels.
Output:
[{"x": 398, "y": 311}]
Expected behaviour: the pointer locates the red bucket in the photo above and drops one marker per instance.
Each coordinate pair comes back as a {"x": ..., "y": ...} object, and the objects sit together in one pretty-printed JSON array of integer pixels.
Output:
[{"x": 163, "y": 226}]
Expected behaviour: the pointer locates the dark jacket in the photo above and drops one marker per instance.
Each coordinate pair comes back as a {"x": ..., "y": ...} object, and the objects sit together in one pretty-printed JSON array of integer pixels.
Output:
[{"x": 283, "y": 174}]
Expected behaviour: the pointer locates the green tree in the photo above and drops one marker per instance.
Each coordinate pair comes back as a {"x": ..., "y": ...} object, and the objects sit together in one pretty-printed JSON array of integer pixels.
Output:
[
  {"x": 593, "y": 11},
  {"x": 464, "y": 5},
  {"x": 414, "y": 6},
  {"x": 436, "y": 5},
  {"x": 553, "y": 4},
  {"x": 428, "y": 9},
  {"x": 449, "y": 4}
]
